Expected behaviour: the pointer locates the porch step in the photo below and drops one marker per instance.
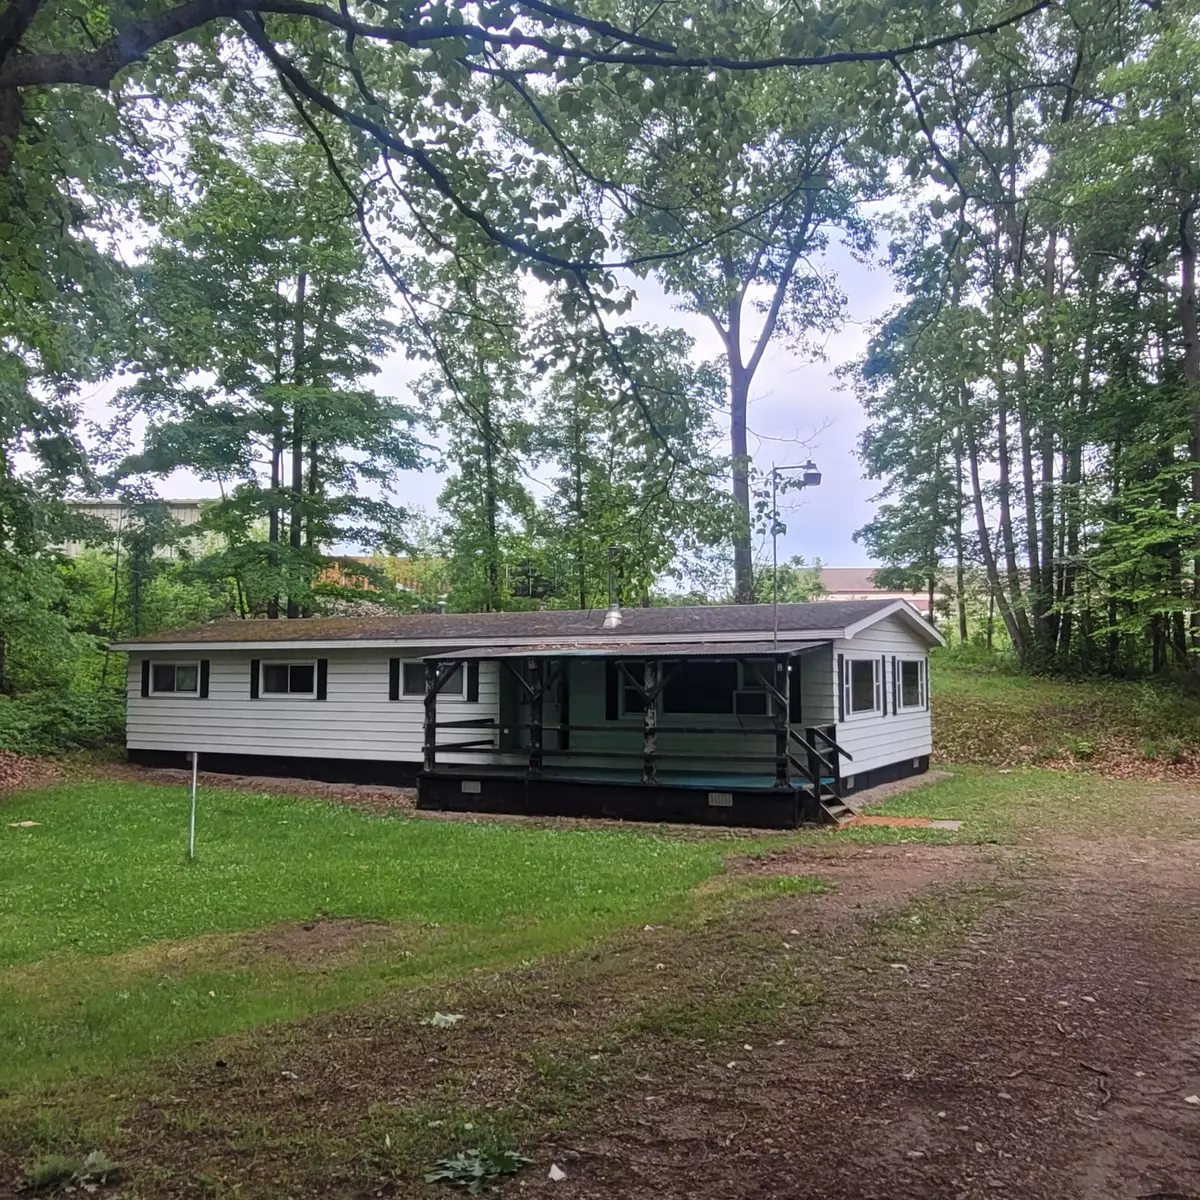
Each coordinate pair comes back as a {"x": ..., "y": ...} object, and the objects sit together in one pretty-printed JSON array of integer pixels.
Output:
[{"x": 836, "y": 811}]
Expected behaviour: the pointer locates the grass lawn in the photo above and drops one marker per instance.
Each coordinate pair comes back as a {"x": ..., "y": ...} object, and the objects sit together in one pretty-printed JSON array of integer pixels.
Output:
[{"x": 114, "y": 947}]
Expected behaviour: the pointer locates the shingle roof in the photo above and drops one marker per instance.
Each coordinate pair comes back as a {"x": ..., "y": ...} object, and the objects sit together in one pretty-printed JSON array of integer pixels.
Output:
[{"x": 566, "y": 625}]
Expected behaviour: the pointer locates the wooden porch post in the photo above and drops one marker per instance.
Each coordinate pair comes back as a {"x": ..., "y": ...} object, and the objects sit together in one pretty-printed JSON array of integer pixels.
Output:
[
  {"x": 564, "y": 705},
  {"x": 431, "y": 691},
  {"x": 650, "y": 722},
  {"x": 536, "y": 692},
  {"x": 781, "y": 705}
]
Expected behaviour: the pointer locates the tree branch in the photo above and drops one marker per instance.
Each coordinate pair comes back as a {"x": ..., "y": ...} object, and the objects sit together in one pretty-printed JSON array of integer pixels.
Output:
[
  {"x": 97, "y": 68},
  {"x": 14, "y": 21}
]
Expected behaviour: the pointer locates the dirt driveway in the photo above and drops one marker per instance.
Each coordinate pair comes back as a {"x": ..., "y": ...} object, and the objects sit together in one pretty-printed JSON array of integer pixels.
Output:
[{"x": 1050, "y": 1053}]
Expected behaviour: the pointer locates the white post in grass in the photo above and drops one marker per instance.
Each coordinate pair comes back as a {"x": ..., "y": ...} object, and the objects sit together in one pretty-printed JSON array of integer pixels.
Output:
[{"x": 192, "y": 824}]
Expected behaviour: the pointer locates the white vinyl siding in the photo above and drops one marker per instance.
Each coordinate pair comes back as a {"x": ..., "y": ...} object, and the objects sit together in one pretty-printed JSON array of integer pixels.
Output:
[
  {"x": 355, "y": 721},
  {"x": 883, "y": 736}
]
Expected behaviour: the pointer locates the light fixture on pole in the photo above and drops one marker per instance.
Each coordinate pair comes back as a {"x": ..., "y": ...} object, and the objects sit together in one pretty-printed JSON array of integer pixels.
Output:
[{"x": 810, "y": 477}]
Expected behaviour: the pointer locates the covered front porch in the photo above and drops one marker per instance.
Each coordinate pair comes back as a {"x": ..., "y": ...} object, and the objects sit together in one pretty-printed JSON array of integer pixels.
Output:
[{"x": 714, "y": 733}]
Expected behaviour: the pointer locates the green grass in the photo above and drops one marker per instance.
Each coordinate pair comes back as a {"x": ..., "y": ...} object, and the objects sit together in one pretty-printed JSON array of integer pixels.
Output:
[{"x": 114, "y": 947}]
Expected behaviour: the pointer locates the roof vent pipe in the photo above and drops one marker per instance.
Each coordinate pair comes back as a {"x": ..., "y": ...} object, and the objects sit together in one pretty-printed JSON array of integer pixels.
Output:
[{"x": 612, "y": 618}]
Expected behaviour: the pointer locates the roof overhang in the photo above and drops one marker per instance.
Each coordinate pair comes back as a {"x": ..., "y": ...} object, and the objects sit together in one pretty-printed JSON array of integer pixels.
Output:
[
  {"x": 427, "y": 646},
  {"x": 638, "y": 649}
]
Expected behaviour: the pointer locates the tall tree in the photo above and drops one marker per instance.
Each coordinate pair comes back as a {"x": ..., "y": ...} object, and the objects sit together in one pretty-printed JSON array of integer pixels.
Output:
[
  {"x": 756, "y": 172},
  {"x": 262, "y": 315},
  {"x": 624, "y": 501}
]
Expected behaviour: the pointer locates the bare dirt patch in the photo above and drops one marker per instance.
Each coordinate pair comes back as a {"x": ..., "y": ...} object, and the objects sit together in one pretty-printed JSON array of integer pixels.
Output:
[
  {"x": 316, "y": 942},
  {"x": 1048, "y": 1054},
  {"x": 877, "y": 877}
]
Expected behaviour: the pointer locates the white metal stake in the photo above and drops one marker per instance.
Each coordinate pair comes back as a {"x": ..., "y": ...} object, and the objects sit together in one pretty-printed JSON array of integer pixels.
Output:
[{"x": 192, "y": 825}]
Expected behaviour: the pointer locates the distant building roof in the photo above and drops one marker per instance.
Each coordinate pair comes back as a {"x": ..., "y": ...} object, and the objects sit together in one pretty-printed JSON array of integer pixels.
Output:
[{"x": 858, "y": 583}]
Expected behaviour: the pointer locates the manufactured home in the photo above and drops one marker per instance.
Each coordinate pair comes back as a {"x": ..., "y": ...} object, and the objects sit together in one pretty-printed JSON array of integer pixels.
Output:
[{"x": 726, "y": 714}]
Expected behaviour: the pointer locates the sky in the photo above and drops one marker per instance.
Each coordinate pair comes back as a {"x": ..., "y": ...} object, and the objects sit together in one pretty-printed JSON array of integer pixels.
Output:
[{"x": 798, "y": 409}]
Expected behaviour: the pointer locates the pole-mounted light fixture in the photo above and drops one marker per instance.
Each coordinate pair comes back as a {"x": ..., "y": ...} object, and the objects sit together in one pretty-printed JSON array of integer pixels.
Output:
[{"x": 809, "y": 477}]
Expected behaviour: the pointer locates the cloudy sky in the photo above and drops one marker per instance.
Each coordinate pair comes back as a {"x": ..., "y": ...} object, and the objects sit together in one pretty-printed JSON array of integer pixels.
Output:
[{"x": 798, "y": 409}]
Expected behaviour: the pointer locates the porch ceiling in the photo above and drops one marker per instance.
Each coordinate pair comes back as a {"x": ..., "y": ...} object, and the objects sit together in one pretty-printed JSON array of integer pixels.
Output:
[{"x": 762, "y": 649}]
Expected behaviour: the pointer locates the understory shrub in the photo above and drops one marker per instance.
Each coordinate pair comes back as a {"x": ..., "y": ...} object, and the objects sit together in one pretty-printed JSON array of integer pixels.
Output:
[{"x": 47, "y": 724}]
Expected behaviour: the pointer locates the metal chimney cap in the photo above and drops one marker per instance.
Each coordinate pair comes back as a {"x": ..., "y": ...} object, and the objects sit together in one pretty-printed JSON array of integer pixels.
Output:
[{"x": 613, "y": 618}]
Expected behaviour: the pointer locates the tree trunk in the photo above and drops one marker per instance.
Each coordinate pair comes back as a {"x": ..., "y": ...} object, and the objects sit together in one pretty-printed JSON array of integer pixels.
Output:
[
  {"x": 490, "y": 502},
  {"x": 985, "y": 546},
  {"x": 577, "y": 487},
  {"x": 1190, "y": 327},
  {"x": 960, "y": 570},
  {"x": 1073, "y": 479},
  {"x": 296, "y": 518},
  {"x": 1037, "y": 596},
  {"x": 743, "y": 558},
  {"x": 1003, "y": 459},
  {"x": 1048, "y": 631}
]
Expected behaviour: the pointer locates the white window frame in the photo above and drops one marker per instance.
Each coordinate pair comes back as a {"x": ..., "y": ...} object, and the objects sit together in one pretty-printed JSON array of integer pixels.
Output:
[
  {"x": 443, "y": 694},
  {"x": 852, "y": 713},
  {"x": 286, "y": 662},
  {"x": 922, "y": 672},
  {"x": 177, "y": 663}
]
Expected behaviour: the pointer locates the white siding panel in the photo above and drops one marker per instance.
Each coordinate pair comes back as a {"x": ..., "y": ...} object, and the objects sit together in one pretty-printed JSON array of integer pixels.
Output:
[
  {"x": 818, "y": 698},
  {"x": 874, "y": 740},
  {"x": 357, "y": 720}
]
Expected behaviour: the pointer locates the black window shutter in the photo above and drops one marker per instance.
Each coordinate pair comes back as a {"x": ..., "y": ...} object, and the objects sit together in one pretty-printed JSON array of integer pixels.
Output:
[
  {"x": 925, "y": 677},
  {"x": 322, "y": 678},
  {"x": 254, "y": 679},
  {"x": 204, "y": 679},
  {"x": 895, "y": 686},
  {"x": 393, "y": 679},
  {"x": 841, "y": 687},
  {"x": 795, "y": 711},
  {"x": 883, "y": 682},
  {"x": 473, "y": 682},
  {"x": 611, "y": 710},
  {"x": 145, "y": 677}
]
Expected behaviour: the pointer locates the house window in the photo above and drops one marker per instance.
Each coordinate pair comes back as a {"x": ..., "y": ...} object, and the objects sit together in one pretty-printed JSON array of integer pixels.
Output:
[
  {"x": 289, "y": 679},
  {"x": 701, "y": 688},
  {"x": 864, "y": 685},
  {"x": 414, "y": 681},
  {"x": 912, "y": 684},
  {"x": 177, "y": 678}
]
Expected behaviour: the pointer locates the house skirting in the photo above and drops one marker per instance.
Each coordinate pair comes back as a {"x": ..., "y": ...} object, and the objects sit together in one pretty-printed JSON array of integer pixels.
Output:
[
  {"x": 878, "y": 775},
  {"x": 326, "y": 770},
  {"x": 461, "y": 790}
]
